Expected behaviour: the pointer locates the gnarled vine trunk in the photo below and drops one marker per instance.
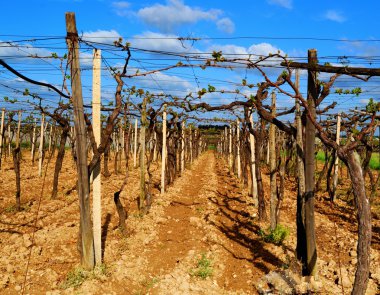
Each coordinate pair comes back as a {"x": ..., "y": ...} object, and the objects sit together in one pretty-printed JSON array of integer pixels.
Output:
[{"x": 363, "y": 216}]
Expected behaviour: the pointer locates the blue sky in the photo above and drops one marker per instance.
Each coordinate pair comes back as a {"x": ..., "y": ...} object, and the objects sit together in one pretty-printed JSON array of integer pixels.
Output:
[{"x": 235, "y": 27}]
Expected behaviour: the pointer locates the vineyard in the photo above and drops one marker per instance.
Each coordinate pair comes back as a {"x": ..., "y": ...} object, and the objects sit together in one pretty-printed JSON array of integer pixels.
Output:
[{"x": 265, "y": 184}]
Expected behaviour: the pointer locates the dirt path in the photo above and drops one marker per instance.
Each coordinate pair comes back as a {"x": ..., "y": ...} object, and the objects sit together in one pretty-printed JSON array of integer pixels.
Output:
[{"x": 203, "y": 213}]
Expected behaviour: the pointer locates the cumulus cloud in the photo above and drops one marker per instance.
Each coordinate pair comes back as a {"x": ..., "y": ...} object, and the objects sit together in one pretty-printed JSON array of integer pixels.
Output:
[
  {"x": 283, "y": 3},
  {"x": 264, "y": 49},
  {"x": 226, "y": 25},
  {"x": 175, "y": 13},
  {"x": 163, "y": 83},
  {"x": 261, "y": 49},
  {"x": 335, "y": 16},
  {"x": 101, "y": 36},
  {"x": 21, "y": 52}
]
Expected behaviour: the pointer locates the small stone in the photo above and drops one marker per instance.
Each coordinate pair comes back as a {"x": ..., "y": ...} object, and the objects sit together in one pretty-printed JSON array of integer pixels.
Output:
[
  {"x": 18, "y": 288},
  {"x": 315, "y": 285},
  {"x": 375, "y": 276},
  {"x": 27, "y": 241}
]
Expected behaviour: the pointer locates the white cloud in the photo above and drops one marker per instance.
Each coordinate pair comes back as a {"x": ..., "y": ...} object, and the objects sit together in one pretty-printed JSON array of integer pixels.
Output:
[
  {"x": 234, "y": 51},
  {"x": 226, "y": 25},
  {"x": 264, "y": 49},
  {"x": 17, "y": 52},
  {"x": 85, "y": 58},
  {"x": 283, "y": 3},
  {"x": 101, "y": 36},
  {"x": 160, "y": 42},
  {"x": 121, "y": 8},
  {"x": 163, "y": 83},
  {"x": 335, "y": 16},
  {"x": 175, "y": 13}
]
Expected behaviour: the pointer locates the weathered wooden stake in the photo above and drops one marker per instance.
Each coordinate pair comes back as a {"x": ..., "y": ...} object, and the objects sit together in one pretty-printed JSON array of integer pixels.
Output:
[
  {"x": 336, "y": 163},
  {"x": 230, "y": 147},
  {"x": 33, "y": 141},
  {"x": 154, "y": 146},
  {"x": 135, "y": 147},
  {"x": 183, "y": 148},
  {"x": 9, "y": 140},
  {"x": 1, "y": 134},
  {"x": 50, "y": 137},
  {"x": 312, "y": 95},
  {"x": 163, "y": 160},
  {"x": 144, "y": 124},
  {"x": 253, "y": 166},
  {"x": 86, "y": 234},
  {"x": 41, "y": 146},
  {"x": 300, "y": 216},
  {"x": 238, "y": 148},
  {"x": 191, "y": 145},
  {"x": 18, "y": 129},
  {"x": 273, "y": 168}
]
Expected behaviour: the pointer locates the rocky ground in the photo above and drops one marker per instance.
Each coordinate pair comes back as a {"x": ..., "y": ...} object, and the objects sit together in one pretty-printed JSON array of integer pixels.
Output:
[{"x": 200, "y": 237}]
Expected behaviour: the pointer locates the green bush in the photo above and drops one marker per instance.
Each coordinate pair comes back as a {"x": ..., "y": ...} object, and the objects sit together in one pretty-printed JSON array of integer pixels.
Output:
[
  {"x": 276, "y": 236},
  {"x": 78, "y": 276},
  {"x": 204, "y": 268},
  {"x": 75, "y": 278},
  {"x": 374, "y": 163},
  {"x": 320, "y": 156}
]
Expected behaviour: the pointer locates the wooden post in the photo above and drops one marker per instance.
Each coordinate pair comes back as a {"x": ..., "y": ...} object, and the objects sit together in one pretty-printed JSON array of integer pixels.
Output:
[
  {"x": 195, "y": 144},
  {"x": 154, "y": 146},
  {"x": 163, "y": 160},
  {"x": 1, "y": 133},
  {"x": 312, "y": 95},
  {"x": 96, "y": 175},
  {"x": 336, "y": 163},
  {"x": 238, "y": 148},
  {"x": 273, "y": 170},
  {"x": 199, "y": 144},
  {"x": 50, "y": 137},
  {"x": 116, "y": 146},
  {"x": 135, "y": 147},
  {"x": 191, "y": 145},
  {"x": 86, "y": 234},
  {"x": 143, "y": 125},
  {"x": 9, "y": 140},
  {"x": 300, "y": 216},
  {"x": 183, "y": 148},
  {"x": 33, "y": 141},
  {"x": 253, "y": 165},
  {"x": 41, "y": 146},
  {"x": 1, "y": 136},
  {"x": 230, "y": 148},
  {"x": 122, "y": 140},
  {"x": 16, "y": 162},
  {"x": 18, "y": 130}
]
